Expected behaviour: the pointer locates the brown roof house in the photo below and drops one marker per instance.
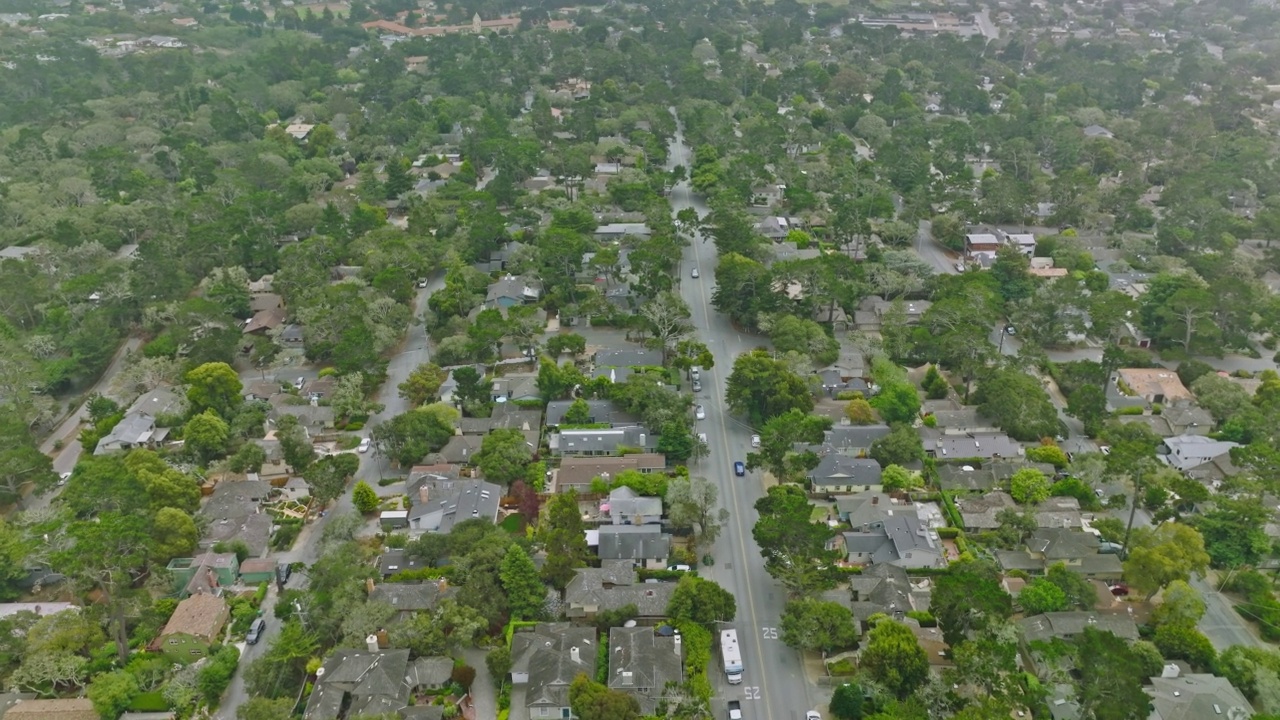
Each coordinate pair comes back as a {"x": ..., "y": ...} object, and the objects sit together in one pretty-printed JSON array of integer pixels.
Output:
[
  {"x": 1144, "y": 387},
  {"x": 576, "y": 473},
  {"x": 69, "y": 709},
  {"x": 195, "y": 627}
]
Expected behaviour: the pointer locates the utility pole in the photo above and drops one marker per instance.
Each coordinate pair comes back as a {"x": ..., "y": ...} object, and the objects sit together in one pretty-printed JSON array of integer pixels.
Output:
[{"x": 1133, "y": 509}]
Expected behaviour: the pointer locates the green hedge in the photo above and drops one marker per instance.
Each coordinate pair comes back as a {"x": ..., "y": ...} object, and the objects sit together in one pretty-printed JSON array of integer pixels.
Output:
[
  {"x": 697, "y": 641},
  {"x": 149, "y": 702},
  {"x": 948, "y": 533}
]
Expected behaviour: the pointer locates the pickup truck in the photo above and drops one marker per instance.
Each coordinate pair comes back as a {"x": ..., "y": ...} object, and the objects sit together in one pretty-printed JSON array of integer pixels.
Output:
[{"x": 735, "y": 710}]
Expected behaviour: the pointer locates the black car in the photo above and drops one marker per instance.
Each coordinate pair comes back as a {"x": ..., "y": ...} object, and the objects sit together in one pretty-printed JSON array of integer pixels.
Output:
[
  {"x": 739, "y": 468},
  {"x": 283, "y": 572}
]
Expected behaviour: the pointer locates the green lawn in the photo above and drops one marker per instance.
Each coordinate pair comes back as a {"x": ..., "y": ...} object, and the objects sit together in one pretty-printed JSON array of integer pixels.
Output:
[{"x": 513, "y": 524}]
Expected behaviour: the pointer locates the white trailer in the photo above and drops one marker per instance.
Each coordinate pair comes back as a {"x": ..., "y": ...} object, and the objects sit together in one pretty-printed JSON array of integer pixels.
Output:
[{"x": 732, "y": 655}]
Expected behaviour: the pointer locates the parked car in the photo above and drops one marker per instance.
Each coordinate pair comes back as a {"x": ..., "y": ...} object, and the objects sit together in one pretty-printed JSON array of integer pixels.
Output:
[
  {"x": 1119, "y": 589},
  {"x": 700, "y": 413},
  {"x": 255, "y": 631},
  {"x": 297, "y": 384},
  {"x": 702, "y": 438},
  {"x": 364, "y": 446},
  {"x": 697, "y": 386},
  {"x": 283, "y": 572},
  {"x": 739, "y": 468},
  {"x": 755, "y": 441},
  {"x": 695, "y": 372},
  {"x": 63, "y": 478},
  {"x": 1099, "y": 493},
  {"x": 1106, "y": 449},
  {"x": 694, "y": 273},
  {"x": 422, "y": 283},
  {"x": 1011, "y": 329},
  {"x": 681, "y": 568},
  {"x": 812, "y": 715}
]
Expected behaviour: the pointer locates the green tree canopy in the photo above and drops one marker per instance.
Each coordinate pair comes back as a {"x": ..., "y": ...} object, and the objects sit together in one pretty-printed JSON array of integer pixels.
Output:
[{"x": 818, "y": 625}]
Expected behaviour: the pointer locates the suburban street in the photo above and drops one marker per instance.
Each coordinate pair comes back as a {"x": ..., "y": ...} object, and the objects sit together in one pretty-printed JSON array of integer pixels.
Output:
[
  {"x": 774, "y": 686},
  {"x": 306, "y": 549}
]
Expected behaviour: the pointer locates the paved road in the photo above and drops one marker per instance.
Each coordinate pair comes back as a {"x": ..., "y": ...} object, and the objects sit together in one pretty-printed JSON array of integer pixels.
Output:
[
  {"x": 774, "y": 687},
  {"x": 988, "y": 28},
  {"x": 1221, "y": 624},
  {"x": 68, "y": 430},
  {"x": 932, "y": 252},
  {"x": 413, "y": 351}
]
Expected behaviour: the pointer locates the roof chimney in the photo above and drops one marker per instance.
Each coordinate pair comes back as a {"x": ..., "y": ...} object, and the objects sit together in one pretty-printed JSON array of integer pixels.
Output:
[
  {"x": 423, "y": 493},
  {"x": 384, "y": 641},
  {"x": 574, "y": 655},
  {"x": 875, "y": 499},
  {"x": 368, "y": 585},
  {"x": 371, "y": 642},
  {"x": 677, "y": 642}
]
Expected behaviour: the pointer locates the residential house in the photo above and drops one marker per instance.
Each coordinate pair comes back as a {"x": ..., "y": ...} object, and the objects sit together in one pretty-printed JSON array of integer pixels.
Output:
[
  {"x": 450, "y": 385},
  {"x": 265, "y": 321},
  {"x": 576, "y": 473},
  {"x": 354, "y": 683},
  {"x": 767, "y": 196},
  {"x": 430, "y": 673},
  {"x": 1078, "y": 551},
  {"x": 506, "y": 416},
  {"x": 60, "y": 709},
  {"x": 980, "y": 513},
  {"x": 394, "y": 561},
  {"x": 1136, "y": 387},
  {"x": 985, "y": 476},
  {"x": 1190, "y": 453},
  {"x": 775, "y": 227},
  {"x": 1067, "y": 625},
  {"x": 983, "y": 446},
  {"x": 613, "y": 232},
  {"x": 545, "y": 660},
  {"x": 873, "y": 309},
  {"x": 261, "y": 302},
  {"x": 291, "y": 336},
  {"x": 642, "y": 663},
  {"x": 194, "y": 628},
  {"x": 136, "y": 430},
  {"x": 881, "y": 588},
  {"x": 516, "y": 387},
  {"x": 234, "y": 512},
  {"x": 409, "y": 598},
  {"x": 866, "y": 510},
  {"x": 1097, "y": 131},
  {"x": 206, "y": 573},
  {"x": 1059, "y": 512},
  {"x": 1196, "y": 696},
  {"x": 1180, "y": 419},
  {"x": 439, "y": 505},
  {"x": 602, "y": 441},
  {"x": 611, "y": 586},
  {"x": 847, "y": 439},
  {"x": 258, "y": 570},
  {"x": 598, "y": 412},
  {"x": 262, "y": 390},
  {"x": 837, "y": 473},
  {"x": 312, "y": 416},
  {"x": 627, "y": 358},
  {"x": 979, "y": 246},
  {"x": 163, "y": 400},
  {"x": 459, "y": 450},
  {"x": 626, "y": 507},
  {"x": 644, "y": 545},
  {"x": 511, "y": 290},
  {"x": 903, "y": 541}
]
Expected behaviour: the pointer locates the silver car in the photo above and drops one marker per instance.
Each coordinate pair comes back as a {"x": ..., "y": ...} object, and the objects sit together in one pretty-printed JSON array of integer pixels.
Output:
[
  {"x": 699, "y": 413},
  {"x": 697, "y": 386}
]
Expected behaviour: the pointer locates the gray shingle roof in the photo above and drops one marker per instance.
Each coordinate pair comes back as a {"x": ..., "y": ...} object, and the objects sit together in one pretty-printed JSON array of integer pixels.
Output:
[
  {"x": 452, "y": 501},
  {"x": 641, "y": 663},
  {"x": 547, "y": 654},
  {"x": 374, "y": 682},
  {"x": 601, "y": 411},
  {"x": 410, "y": 597},
  {"x": 633, "y": 542},
  {"x": 614, "y": 585},
  {"x": 628, "y": 507},
  {"x": 839, "y": 469},
  {"x": 1047, "y": 626},
  {"x": 1196, "y": 697}
]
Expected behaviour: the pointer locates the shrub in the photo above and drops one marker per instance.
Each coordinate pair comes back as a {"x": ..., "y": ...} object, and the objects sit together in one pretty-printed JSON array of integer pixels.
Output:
[
  {"x": 464, "y": 675},
  {"x": 948, "y": 533}
]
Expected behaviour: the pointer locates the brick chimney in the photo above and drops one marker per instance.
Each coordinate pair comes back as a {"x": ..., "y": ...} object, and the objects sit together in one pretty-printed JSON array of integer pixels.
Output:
[
  {"x": 423, "y": 493},
  {"x": 369, "y": 585}
]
